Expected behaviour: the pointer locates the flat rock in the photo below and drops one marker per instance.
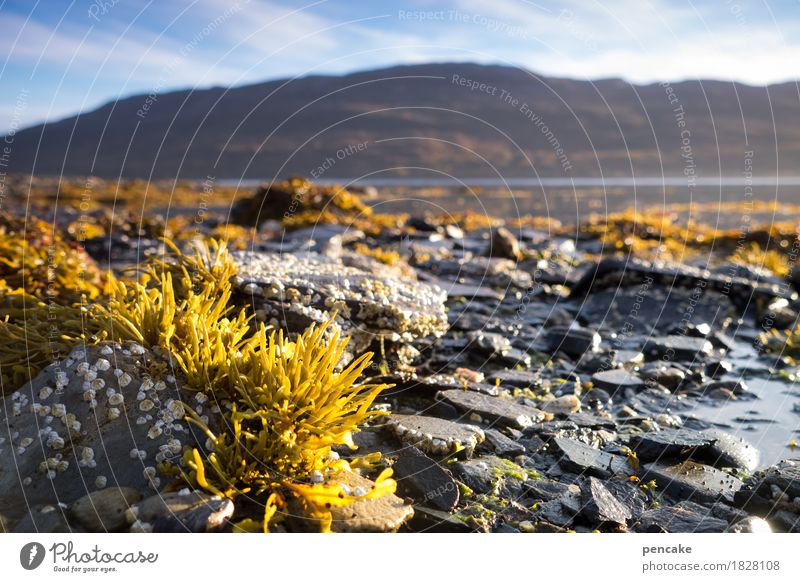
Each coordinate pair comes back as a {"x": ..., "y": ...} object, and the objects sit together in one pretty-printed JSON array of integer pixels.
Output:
[
  {"x": 384, "y": 514},
  {"x": 491, "y": 475},
  {"x": 601, "y": 506},
  {"x": 516, "y": 378},
  {"x": 617, "y": 380},
  {"x": 684, "y": 517},
  {"x": 104, "y": 510},
  {"x": 425, "y": 481},
  {"x": 669, "y": 443},
  {"x": 494, "y": 409},
  {"x": 678, "y": 348},
  {"x": 435, "y": 436},
  {"x": 728, "y": 450},
  {"x": 200, "y": 518},
  {"x": 156, "y": 506},
  {"x": 563, "y": 405},
  {"x": 42, "y": 519},
  {"x": 501, "y": 445},
  {"x": 577, "y": 457},
  {"x": 571, "y": 340},
  {"x": 694, "y": 482}
]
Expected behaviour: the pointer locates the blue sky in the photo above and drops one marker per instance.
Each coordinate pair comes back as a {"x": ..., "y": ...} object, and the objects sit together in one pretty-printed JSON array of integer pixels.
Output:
[{"x": 61, "y": 57}]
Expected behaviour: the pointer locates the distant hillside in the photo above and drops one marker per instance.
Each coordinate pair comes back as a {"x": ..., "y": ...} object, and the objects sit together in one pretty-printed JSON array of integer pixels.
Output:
[{"x": 421, "y": 116}]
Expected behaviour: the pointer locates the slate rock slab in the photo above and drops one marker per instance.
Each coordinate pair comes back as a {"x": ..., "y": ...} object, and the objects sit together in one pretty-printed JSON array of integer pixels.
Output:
[
  {"x": 728, "y": 450},
  {"x": 617, "y": 380},
  {"x": 685, "y": 517},
  {"x": 678, "y": 348},
  {"x": 491, "y": 475},
  {"x": 425, "y": 480},
  {"x": 493, "y": 409},
  {"x": 669, "y": 443},
  {"x": 435, "y": 436},
  {"x": 693, "y": 482},
  {"x": 601, "y": 506},
  {"x": 577, "y": 457}
]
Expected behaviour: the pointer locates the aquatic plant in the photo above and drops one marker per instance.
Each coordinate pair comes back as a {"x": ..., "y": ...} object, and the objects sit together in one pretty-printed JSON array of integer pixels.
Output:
[{"x": 754, "y": 255}]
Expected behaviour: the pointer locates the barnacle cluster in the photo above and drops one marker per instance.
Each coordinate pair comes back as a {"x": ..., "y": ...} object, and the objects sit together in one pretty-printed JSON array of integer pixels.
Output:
[{"x": 287, "y": 403}]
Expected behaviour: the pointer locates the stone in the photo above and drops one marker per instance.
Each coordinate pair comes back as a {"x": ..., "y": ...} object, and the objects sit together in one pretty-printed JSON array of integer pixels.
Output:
[
  {"x": 728, "y": 450},
  {"x": 617, "y": 380},
  {"x": 491, "y": 475},
  {"x": 600, "y": 505},
  {"x": 435, "y": 436},
  {"x": 205, "y": 517},
  {"x": 501, "y": 445},
  {"x": 677, "y": 348},
  {"x": 430, "y": 520},
  {"x": 693, "y": 482},
  {"x": 666, "y": 376},
  {"x": 383, "y": 514},
  {"x": 669, "y": 443},
  {"x": 494, "y": 409},
  {"x": 562, "y": 405},
  {"x": 42, "y": 519},
  {"x": 571, "y": 340},
  {"x": 81, "y": 425},
  {"x": 563, "y": 509},
  {"x": 629, "y": 495},
  {"x": 584, "y": 420},
  {"x": 685, "y": 517},
  {"x": 577, "y": 457},
  {"x": 425, "y": 481},
  {"x": 516, "y": 378},
  {"x": 504, "y": 245},
  {"x": 104, "y": 510},
  {"x": 151, "y": 509}
]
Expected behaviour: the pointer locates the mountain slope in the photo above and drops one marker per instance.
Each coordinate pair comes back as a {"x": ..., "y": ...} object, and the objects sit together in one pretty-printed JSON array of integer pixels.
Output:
[{"x": 436, "y": 117}]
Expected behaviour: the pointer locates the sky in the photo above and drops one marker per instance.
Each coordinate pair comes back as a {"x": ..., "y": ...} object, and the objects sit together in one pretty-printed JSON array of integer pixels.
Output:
[{"x": 60, "y": 57}]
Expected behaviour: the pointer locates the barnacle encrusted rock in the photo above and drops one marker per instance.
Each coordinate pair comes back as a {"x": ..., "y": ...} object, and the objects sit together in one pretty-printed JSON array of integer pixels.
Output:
[
  {"x": 79, "y": 427},
  {"x": 298, "y": 289}
]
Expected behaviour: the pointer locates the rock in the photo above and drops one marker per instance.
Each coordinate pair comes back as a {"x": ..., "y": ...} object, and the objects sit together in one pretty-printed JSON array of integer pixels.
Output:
[
  {"x": 751, "y": 524},
  {"x": 104, "y": 510},
  {"x": 425, "y": 481},
  {"x": 562, "y": 405},
  {"x": 563, "y": 509},
  {"x": 677, "y": 348},
  {"x": 434, "y": 435},
  {"x": 666, "y": 376},
  {"x": 685, "y": 517},
  {"x": 501, "y": 445},
  {"x": 692, "y": 481},
  {"x": 785, "y": 521},
  {"x": 617, "y": 380},
  {"x": 584, "y": 420},
  {"x": 600, "y": 505},
  {"x": 516, "y": 378},
  {"x": 491, "y": 475},
  {"x": 428, "y": 519},
  {"x": 298, "y": 289},
  {"x": 493, "y": 409},
  {"x": 200, "y": 518},
  {"x": 727, "y": 450},
  {"x": 488, "y": 343},
  {"x": 669, "y": 443},
  {"x": 151, "y": 509},
  {"x": 580, "y": 458},
  {"x": 5, "y": 524},
  {"x": 43, "y": 519},
  {"x": 93, "y": 419},
  {"x": 384, "y": 514},
  {"x": 504, "y": 245},
  {"x": 629, "y": 495},
  {"x": 573, "y": 341}
]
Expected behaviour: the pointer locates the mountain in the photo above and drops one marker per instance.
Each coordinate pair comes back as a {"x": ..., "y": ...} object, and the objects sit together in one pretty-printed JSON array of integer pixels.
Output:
[{"x": 429, "y": 120}]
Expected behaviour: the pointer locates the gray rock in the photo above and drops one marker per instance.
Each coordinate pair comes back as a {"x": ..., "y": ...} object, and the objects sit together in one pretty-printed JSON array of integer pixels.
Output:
[
  {"x": 491, "y": 475},
  {"x": 628, "y": 494},
  {"x": 516, "y": 378},
  {"x": 104, "y": 510},
  {"x": 617, "y": 380},
  {"x": 601, "y": 506},
  {"x": 692, "y": 481},
  {"x": 563, "y": 405},
  {"x": 685, "y": 517},
  {"x": 573, "y": 341},
  {"x": 45, "y": 519},
  {"x": 564, "y": 509},
  {"x": 493, "y": 409},
  {"x": 576, "y": 457},
  {"x": 667, "y": 376},
  {"x": 156, "y": 506},
  {"x": 201, "y": 518},
  {"x": 728, "y": 450},
  {"x": 669, "y": 443},
  {"x": 383, "y": 514},
  {"x": 504, "y": 245},
  {"x": 678, "y": 348},
  {"x": 501, "y": 445},
  {"x": 434, "y": 435},
  {"x": 425, "y": 481}
]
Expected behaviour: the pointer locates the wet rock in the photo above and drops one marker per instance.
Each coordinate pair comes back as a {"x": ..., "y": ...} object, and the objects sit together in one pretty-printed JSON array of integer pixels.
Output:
[
  {"x": 629, "y": 495},
  {"x": 164, "y": 504},
  {"x": 428, "y": 519},
  {"x": 601, "y": 506},
  {"x": 435, "y": 436},
  {"x": 45, "y": 519},
  {"x": 98, "y": 417},
  {"x": 563, "y": 509},
  {"x": 617, "y": 380},
  {"x": 580, "y": 458},
  {"x": 583, "y": 420},
  {"x": 493, "y": 409},
  {"x": 728, "y": 450},
  {"x": 571, "y": 340},
  {"x": 303, "y": 288},
  {"x": 489, "y": 344},
  {"x": 692, "y": 481},
  {"x": 685, "y": 517},
  {"x": 200, "y": 518},
  {"x": 562, "y": 405},
  {"x": 501, "y": 445},
  {"x": 425, "y": 481},
  {"x": 669, "y": 443},
  {"x": 785, "y": 521},
  {"x": 104, "y": 510},
  {"x": 491, "y": 475},
  {"x": 384, "y": 514},
  {"x": 504, "y": 245},
  {"x": 677, "y": 348},
  {"x": 666, "y": 376},
  {"x": 751, "y": 524},
  {"x": 516, "y": 378}
]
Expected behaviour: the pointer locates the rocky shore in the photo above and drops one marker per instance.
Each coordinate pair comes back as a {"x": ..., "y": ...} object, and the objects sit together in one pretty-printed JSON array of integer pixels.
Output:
[{"x": 538, "y": 382}]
